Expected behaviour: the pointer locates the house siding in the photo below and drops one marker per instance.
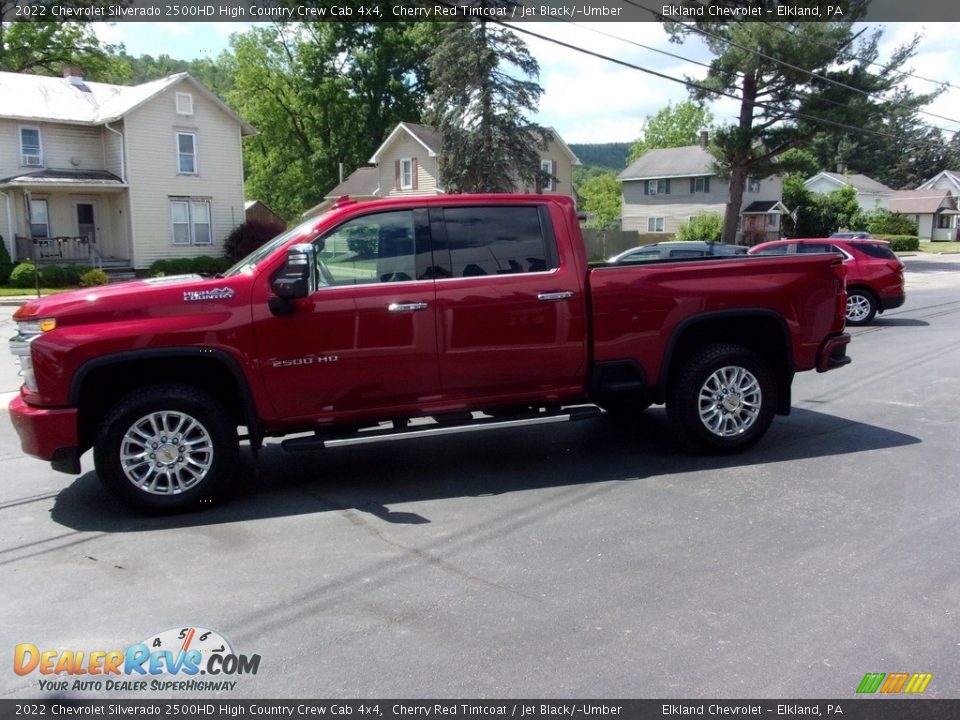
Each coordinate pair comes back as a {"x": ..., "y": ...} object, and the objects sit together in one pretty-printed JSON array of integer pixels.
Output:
[
  {"x": 152, "y": 161},
  {"x": 678, "y": 206},
  {"x": 404, "y": 146},
  {"x": 113, "y": 155},
  {"x": 63, "y": 147}
]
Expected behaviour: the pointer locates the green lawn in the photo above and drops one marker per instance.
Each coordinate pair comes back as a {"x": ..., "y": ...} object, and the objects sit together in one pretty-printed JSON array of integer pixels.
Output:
[
  {"x": 939, "y": 247},
  {"x": 8, "y": 291}
]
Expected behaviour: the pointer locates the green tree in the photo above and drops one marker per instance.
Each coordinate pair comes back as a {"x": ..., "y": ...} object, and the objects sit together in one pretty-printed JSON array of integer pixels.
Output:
[
  {"x": 44, "y": 48},
  {"x": 792, "y": 80},
  {"x": 672, "y": 126},
  {"x": 321, "y": 94},
  {"x": 602, "y": 199},
  {"x": 704, "y": 226},
  {"x": 484, "y": 90}
]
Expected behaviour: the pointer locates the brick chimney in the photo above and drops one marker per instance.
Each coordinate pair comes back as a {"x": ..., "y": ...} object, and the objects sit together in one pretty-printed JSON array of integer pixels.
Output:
[
  {"x": 841, "y": 168},
  {"x": 73, "y": 75},
  {"x": 704, "y": 138}
]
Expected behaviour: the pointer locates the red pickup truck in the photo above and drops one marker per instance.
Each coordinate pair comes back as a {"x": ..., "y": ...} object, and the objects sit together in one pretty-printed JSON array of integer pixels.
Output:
[{"x": 411, "y": 316}]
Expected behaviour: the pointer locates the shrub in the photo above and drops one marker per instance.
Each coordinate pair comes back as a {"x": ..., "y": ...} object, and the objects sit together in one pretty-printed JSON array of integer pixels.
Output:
[
  {"x": 24, "y": 275},
  {"x": 75, "y": 272},
  {"x": 6, "y": 265},
  {"x": 902, "y": 243},
  {"x": 94, "y": 277},
  {"x": 705, "y": 226},
  {"x": 883, "y": 222},
  {"x": 249, "y": 236},
  {"x": 53, "y": 276},
  {"x": 204, "y": 264}
]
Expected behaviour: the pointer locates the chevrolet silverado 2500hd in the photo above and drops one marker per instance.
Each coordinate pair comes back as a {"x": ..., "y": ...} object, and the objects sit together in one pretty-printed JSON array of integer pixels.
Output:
[{"x": 418, "y": 316}]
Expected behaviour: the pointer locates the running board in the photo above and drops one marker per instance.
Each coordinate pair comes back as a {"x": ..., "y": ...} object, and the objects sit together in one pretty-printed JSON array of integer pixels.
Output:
[{"x": 436, "y": 430}]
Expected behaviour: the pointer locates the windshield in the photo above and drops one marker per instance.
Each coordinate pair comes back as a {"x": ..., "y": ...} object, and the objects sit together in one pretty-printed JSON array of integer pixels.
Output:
[{"x": 251, "y": 261}]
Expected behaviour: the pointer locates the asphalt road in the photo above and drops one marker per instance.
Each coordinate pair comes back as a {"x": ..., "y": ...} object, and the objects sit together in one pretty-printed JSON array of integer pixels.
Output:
[{"x": 585, "y": 560}]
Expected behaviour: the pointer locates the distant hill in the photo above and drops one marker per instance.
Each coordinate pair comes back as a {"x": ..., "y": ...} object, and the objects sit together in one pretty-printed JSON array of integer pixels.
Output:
[{"x": 612, "y": 156}]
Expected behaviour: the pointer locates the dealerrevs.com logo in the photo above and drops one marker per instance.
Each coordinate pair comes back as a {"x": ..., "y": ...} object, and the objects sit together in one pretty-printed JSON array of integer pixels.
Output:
[
  {"x": 175, "y": 660},
  {"x": 894, "y": 683}
]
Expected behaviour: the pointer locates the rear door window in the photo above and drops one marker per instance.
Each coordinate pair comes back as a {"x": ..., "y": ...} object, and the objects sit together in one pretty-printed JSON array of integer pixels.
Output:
[{"x": 500, "y": 240}]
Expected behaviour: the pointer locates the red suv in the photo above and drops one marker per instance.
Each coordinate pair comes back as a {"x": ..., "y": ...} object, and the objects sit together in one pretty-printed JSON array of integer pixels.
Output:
[{"x": 874, "y": 272}]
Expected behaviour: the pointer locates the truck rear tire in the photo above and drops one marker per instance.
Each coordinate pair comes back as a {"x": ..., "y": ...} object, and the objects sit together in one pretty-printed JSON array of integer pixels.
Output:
[
  {"x": 723, "y": 400},
  {"x": 167, "y": 448}
]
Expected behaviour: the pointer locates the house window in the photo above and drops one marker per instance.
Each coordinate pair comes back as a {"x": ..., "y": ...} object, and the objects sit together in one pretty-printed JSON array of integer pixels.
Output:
[
  {"x": 773, "y": 220},
  {"x": 184, "y": 104},
  {"x": 31, "y": 153},
  {"x": 655, "y": 224},
  {"x": 187, "y": 153},
  {"x": 943, "y": 221},
  {"x": 699, "y": 185},
  {"x": 39, "y": 219},
  {"x": 406, "y": 174},
  {"x": 548, "y": 172},
  {"x": 191, "y": 222},
  {"x": 753, "y": 185},
  {"x": 658, "y": 187}
]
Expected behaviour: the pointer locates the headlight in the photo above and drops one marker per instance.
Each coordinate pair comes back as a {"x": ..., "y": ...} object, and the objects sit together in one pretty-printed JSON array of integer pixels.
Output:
[
  {"x": 28, "y": 328},
  {"x": 20, "y": 348}
]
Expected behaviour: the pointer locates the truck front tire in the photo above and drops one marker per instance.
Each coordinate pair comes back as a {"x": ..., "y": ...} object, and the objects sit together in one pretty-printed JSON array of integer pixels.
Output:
[
  {"x": 723, "y": 400},
  {"x": 166, "y": 448}
]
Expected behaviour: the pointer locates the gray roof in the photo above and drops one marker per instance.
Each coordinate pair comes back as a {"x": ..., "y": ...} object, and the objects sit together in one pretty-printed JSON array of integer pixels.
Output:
[
  {"x": 427, "y": 135},
  {"x": 64, "y": 177},
  {"x": 362, "y": 182},
  {"x": 76, "y": 101},
  {"x": 921, "y": 202},
  {"x": 758, "y": 207},
  {"x": 687, "y": 161}
]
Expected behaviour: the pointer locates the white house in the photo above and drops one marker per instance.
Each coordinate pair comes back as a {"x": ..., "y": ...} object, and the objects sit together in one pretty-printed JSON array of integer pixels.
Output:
[
  {"x": 91, "y": 172},
  {"x": 871, "y": 194}
]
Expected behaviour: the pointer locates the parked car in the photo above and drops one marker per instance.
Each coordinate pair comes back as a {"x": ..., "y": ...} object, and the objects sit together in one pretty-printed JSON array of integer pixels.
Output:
[
  {"x": 466, "y": 303},
  {"x": 874, "y": 272},
  {"x": 675, "y": 249},
  {"x": 853, "y": 235}
]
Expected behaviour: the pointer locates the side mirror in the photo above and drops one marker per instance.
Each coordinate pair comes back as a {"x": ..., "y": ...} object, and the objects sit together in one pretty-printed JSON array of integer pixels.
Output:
[{"x": 295, "y": 279}]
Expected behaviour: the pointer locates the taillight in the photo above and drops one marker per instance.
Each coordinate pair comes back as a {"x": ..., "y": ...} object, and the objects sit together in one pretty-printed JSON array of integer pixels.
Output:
[{"x": 840, "y": 275}]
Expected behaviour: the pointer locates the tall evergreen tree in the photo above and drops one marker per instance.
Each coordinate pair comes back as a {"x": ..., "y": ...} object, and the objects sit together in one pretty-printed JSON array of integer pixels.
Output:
[
  {"x": 793, "y": 80},
  {"x": 481, "y": 106}
]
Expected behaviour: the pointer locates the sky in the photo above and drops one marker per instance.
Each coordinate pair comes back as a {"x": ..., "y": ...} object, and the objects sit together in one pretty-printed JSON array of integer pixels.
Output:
[{"x": 589, "y": 100}]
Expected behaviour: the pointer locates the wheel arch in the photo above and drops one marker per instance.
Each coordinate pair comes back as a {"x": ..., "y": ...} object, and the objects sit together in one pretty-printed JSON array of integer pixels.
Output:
[
  {"x": 99, "y": 383},
  {"x": 760, "y": 330}
]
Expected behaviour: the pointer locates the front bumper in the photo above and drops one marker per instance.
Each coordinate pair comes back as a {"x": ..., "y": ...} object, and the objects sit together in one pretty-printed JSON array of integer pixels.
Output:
[
  {"x": 833, "y": 353},
  {"x": 48, "y": 433}
]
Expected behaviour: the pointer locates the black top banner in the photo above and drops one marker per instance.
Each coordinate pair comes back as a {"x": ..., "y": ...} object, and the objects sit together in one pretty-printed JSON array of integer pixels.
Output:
[
  {"x": 215, "y": 709},
  {"x": 495, "y": 10}
]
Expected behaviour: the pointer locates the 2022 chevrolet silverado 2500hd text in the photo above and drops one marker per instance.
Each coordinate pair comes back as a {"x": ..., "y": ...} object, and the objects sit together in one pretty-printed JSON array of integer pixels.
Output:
[{"x": 408, "y": 316}]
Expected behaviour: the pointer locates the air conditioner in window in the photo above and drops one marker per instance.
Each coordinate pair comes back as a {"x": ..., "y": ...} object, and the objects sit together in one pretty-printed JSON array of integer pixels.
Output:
[{"x": 32, "y": 160}]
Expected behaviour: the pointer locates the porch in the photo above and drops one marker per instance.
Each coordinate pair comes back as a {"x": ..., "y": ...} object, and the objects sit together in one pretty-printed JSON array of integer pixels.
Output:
[{"x": 62, "y": 250}]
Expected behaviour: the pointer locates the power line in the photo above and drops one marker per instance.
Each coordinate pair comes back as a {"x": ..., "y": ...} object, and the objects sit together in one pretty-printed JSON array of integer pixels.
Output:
[
  {"x": 784, "y": 112},
  {"x": 796, "y": 94},
  {"x": 785, "y": 64}
]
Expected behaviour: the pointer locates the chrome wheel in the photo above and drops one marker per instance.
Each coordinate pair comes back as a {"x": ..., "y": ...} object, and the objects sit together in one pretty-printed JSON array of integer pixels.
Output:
[
  {"x": 166, "y": 452},
  {"x": 859, "y": 308},
  {"x": 730, "y": 401}
]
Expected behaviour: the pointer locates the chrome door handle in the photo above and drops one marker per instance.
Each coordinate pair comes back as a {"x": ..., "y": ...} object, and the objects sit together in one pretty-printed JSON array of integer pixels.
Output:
[
  {"x": 549, "y": 296},
  {"x": 407, "y": 307}
]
